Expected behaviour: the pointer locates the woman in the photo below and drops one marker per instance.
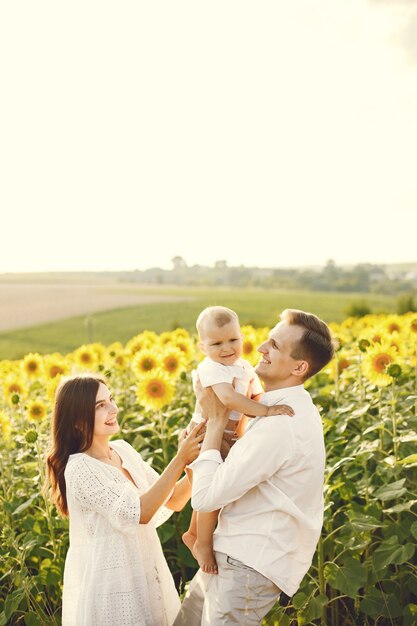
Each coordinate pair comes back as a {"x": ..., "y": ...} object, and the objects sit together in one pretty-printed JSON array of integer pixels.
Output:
[{"x": 115, "y": 571}]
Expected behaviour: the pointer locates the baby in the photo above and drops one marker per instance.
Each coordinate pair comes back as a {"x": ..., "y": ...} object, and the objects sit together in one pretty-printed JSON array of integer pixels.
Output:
[{"x": 232, "y": 379}]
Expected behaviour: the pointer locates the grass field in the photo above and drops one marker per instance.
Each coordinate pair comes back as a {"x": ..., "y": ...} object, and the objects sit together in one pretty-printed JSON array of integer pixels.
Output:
[{"x": 259, "y": 307}]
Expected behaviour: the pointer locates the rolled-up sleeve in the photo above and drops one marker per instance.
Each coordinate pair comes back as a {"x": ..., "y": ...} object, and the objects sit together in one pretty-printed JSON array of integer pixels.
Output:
[
  {"x": 252, "y": 460},
  {"x": 204, "y": 469},
  {"x": 116, "y": 500}
]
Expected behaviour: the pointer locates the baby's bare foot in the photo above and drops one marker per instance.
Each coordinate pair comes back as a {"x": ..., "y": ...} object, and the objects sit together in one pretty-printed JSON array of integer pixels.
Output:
[
  {"x": 205, "y": 557},
  {"x": 189, "y": 539}
]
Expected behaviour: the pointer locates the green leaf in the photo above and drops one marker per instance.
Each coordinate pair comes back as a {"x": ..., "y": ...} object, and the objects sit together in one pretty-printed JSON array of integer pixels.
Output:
[
  {"x": 338, "y": 464},
  {"x": 391, "y": 552},
  {"x": 25, "y": 505},
  {"x": 185, "y": 556},
  {"x": 53, "y": 577},
  {"x": 399, "y": 508},
  {"x": 348, "y": 579},
  {"x": 12, "y": 602},
  {"x": 284, "y": 620},
  {"x": 363, "y": 522},
  {"x": 31, "y": 619},
  {"x": 299, "y": 600},
  {"x": 166, "y": 532},
  {"x": 378, "y": 604},
  {"x": 410, "y": 615},
  {"x": 391, "y": 491},
  {"x": 409, "y": 461},
  {"x": 371, "y": 429},
  {"x": 312, "y": 610},
  {"x": 413, "y": 529},
  {"x": 411, "y": 435}
]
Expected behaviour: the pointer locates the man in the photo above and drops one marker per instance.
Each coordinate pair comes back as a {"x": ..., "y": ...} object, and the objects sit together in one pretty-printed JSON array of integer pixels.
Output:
[{"x": 269, "y": 488}]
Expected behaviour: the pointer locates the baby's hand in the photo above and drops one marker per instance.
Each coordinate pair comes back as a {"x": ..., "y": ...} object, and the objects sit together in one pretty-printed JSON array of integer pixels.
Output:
[{"x": 280, "y": 409}]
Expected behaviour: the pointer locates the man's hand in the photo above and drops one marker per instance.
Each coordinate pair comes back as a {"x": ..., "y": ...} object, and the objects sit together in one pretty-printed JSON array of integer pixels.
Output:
[{"x": 212, "y": 408}]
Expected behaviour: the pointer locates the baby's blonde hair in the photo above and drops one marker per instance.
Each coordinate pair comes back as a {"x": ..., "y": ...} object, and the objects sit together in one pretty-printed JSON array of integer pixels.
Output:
[{"x": 220, "y": 315}]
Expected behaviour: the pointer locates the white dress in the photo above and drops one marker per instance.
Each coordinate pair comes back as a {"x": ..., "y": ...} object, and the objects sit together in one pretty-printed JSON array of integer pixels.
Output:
[{"x": 115, "y": 571}]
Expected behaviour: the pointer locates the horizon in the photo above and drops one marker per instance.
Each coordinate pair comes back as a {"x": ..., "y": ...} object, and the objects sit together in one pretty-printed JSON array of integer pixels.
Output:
[{"x": 189, "y": 266}]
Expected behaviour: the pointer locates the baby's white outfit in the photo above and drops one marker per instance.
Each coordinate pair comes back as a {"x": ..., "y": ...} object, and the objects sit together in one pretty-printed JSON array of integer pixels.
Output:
[{"x": 212, "y": 373}]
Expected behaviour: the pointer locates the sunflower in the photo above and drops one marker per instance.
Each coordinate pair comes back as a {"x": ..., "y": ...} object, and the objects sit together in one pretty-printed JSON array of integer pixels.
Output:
[
  {"x": 116, "y": 356},
  {"x": 135, "y": 344},
  {"x": 150, "y": 336},
  {"x": 397, "y": 341},
  {"x": 32, "y": 365},
  {"x": 100, "y": 351},
  {"x": 186, "y": 346},
  {"x": 9, "y": 367},
  {"x": 375, "y": 335},
  {"x": 36, "y": 410},
  {"x": 155, "y": 390},
  {"x": 393, "y": 323},
  {"x": 120, "y": 361},
  {"x": 180, "y": 333},
  {"x": 173, "y": 361},
  {"x": 340, "y": 364},
  {"x": 114, "y": 349},
  {"x": 167, "y": 338},
  {"x": 262, "y": 334},
  {"x": 51, "y": 386},
  {"x": 85, "y": 356},
  {"x": 250, "y": 345},
  {"x": 14, "y": 389},
  {"x": 5, "y": 426},
  {"x": 411, "y": 322},
  {"x": 376, "y": 362},
  {"x": 142, "y": 341},
  {"x": 55, "y": 365},
  {"x": 145, "y": 361},
  {"x": 342, "y": 333}
]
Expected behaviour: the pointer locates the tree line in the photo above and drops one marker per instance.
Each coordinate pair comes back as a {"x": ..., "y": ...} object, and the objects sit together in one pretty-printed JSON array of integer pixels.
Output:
[{"x": 360, "y": 278}]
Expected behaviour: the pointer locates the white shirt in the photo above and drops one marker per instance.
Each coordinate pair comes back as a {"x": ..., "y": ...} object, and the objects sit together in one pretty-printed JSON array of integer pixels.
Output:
[
  {"x": 115, "y": 571},
  {"x": 271, "y": 489},
  {"x": 240, "y": 373}
]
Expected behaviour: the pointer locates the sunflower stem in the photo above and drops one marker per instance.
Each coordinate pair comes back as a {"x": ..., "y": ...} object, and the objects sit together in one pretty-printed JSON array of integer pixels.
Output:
[
  {"x": 381, "y": 421},
  {"x": 394, "y": 420},
  {"x": 322, "y": 581},
  {"x": 336, "y": 381},
  {"x": 415, "y": 386},
  {"x": 163, "y": 438},
  {"x": 360, "y": 379},
  {"x": 48, "y": 512}
]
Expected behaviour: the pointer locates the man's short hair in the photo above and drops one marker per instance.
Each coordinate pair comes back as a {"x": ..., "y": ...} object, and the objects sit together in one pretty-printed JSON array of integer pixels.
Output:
[
  {"x": 219, "y": 315},
  {"x": 316, "y": 346}
]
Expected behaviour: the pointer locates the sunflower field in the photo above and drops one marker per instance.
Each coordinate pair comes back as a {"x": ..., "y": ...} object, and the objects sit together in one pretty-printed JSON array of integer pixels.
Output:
[{"x": 365, "y": 567}]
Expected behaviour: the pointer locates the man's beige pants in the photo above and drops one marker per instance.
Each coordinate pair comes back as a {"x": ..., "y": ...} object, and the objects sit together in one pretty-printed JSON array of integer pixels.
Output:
[{"x": 238, "y": 594}]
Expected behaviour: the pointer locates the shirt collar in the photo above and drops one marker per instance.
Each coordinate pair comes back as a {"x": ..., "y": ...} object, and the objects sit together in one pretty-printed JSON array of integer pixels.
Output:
[{"x": 276, "y": 395}]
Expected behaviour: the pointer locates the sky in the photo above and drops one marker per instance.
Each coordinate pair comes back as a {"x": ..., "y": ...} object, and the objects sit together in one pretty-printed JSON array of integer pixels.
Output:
[{"x": 268, "y": 134}]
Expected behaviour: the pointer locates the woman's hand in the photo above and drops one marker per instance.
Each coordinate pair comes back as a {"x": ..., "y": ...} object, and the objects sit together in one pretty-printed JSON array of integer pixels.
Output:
[
  {"x": 189, "y": 445},
  {"x": 211, "y": 406}
]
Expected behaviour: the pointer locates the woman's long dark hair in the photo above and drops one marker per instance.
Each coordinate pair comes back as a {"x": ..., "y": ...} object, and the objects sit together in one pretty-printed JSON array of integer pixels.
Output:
[{"x": 72, "y": 430}]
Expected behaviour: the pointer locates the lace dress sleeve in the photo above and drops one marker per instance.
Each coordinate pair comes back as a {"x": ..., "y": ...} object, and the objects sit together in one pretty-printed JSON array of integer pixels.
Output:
[{"x": 115, "y": 499}]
